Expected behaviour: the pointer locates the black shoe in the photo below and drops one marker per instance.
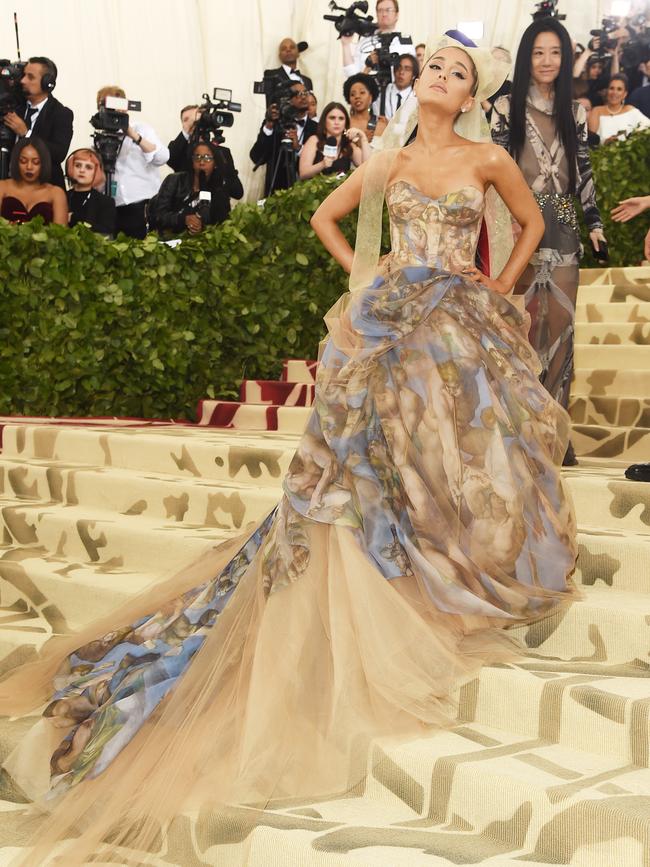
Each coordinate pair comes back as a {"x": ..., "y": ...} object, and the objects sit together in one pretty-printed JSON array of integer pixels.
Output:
[
  {"x": 638, "y": 473},
  {"x": 570, "y": 459}
]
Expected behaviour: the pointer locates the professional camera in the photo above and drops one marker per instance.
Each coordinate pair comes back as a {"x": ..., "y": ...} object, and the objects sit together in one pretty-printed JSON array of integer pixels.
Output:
[
  {"x": 350, "y": 21},
  {"x": 11, "y": 99},
  {"x": 277, "y": 91},
  {"x": 111, "y": 123},
  {"x": 214, "y": 115},
  {"x": 606, "y": 45},
  {"x": 547, "y": 9},
  {"x": 636, "y": 50}
]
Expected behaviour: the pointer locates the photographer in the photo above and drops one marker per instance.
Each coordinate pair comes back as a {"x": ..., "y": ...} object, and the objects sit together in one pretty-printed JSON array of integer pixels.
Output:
[
  {"x": 137, "y": 171},
  {"x": 405, "y": 71},
  {"x": 199, "y": 196},
  {"x": 288, "y": 53},
  {"x": 43, "y": 115},
  {"x": 286, "y": 119},
  {"x": 179, "y": 152},
  {"x": 87, "y": 202},
  {"x": 362, "y": 56}
]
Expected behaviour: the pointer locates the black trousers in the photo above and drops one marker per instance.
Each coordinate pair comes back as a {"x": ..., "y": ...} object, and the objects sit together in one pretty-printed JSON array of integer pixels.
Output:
[{"x": 131, "y": 219}]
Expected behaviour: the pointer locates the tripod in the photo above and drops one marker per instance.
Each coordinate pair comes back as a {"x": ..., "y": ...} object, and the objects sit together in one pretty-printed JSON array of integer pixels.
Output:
[{"x": 285, "y": 157}]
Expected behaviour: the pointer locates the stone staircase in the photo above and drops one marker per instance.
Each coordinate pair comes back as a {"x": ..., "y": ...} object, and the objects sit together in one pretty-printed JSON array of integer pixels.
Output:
[{"x": 550, "y": 761}]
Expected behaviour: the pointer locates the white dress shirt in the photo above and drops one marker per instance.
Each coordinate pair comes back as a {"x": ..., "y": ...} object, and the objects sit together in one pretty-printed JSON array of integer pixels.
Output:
[
  {"x": 394, "y": 99},
  {"x": 137, "y": 174},
  {"x": 39, "y": 108},
  {"x": 366, "y": 45},
  {"x": 293, "y": 75}
]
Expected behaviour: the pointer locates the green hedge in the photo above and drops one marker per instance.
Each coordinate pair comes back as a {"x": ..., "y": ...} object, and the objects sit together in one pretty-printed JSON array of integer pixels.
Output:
[
  {"x": 621, "y": 170},
  {"x": 134, "y": 328}
]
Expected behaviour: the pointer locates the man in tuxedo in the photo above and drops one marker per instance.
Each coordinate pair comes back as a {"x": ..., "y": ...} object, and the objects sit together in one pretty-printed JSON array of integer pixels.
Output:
[
  {"x": 288, "y": 52},
  {"x": 267, "y": 149},
  {"x": 43, "y": 115}
]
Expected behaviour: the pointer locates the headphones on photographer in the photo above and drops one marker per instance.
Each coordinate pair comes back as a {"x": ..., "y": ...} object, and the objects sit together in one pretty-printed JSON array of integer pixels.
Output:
[{"x": 48, "y": 79}]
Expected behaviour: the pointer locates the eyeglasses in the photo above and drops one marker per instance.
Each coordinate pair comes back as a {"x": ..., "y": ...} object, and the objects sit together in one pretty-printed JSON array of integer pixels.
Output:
[{"x": 203, "y": 158}]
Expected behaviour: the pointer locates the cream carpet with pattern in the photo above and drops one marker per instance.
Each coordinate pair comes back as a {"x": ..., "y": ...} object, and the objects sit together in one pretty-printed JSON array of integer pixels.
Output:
[{"x": 550, "y": 761}]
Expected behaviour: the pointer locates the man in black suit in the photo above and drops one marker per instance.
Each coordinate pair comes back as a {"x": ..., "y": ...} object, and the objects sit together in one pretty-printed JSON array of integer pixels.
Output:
[
  {"x": 267, "y": 148},
  {"x": 43, "y": 115},
  {"x": 288, "y": 52},
  {"x": 179, "y": 148}
]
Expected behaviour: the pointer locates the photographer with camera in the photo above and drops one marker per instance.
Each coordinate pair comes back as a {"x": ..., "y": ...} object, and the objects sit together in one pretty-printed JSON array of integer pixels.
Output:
[
  {"x": 199, "y": 196},
  {"x": 363, "y": 56},
  {"x": 335, "y": 146},
  {"x": 179, "y": 148},
  {"x": 405, "y": 71},
  {"x": 286, "y": 127},
  {"x": 42, "y": 114},
  {"x": 137, "y": 170}
]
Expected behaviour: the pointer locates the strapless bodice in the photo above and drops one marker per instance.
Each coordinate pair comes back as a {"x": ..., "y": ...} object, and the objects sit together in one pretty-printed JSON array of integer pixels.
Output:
[
  {"x": 442, "y": 232},
  {"x": 15, "y": 211}
]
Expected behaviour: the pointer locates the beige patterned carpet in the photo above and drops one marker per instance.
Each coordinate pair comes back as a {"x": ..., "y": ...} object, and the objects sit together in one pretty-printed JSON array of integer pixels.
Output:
[{"x": 550, "y": 762}]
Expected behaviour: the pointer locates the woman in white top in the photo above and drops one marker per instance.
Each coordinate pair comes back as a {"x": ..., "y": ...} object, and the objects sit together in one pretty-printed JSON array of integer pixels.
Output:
[{"x": 615, "y": 117}]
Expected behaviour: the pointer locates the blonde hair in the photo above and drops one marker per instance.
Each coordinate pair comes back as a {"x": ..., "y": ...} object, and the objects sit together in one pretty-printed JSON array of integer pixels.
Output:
[{"x": 109, "y": 90}]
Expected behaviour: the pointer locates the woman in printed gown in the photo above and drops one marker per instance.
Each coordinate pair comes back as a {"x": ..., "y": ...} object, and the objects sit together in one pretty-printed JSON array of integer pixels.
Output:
[
  {"x": 423, "y": 512},
  {"x": 546, "y": 133}
]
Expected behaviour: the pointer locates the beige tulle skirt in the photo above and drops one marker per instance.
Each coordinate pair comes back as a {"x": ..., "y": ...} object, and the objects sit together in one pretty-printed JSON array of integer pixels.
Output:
[{"x": 373, "y": 591}]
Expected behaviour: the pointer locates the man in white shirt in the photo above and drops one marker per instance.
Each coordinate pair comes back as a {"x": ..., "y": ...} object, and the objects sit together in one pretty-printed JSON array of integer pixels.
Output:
[
  {"x": 405, "y": 71},
  {"x": 137, "y": 171},
  {"x": 355, "y": 54}
]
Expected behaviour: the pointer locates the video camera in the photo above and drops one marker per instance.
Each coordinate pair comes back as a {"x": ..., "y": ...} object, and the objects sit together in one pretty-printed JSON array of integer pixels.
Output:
[
  {"x": 547, "y": 9},
  {"x": 214, "y": 115},
  {"x": 277, "y": 90},
  {"x": 350, "y": 21},
  {"x": 605, "y": 45},
  {"x": 111, "y": 123},
  {"x": 11, "y": 99}
]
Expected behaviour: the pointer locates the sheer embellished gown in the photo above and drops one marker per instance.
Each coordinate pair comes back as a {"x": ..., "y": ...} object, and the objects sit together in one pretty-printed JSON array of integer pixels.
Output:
[{"x": 423, "y": 512}]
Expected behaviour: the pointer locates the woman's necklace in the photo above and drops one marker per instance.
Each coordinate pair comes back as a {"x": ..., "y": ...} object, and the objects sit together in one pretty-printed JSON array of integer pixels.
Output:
[{"x": 614, "y": 113}]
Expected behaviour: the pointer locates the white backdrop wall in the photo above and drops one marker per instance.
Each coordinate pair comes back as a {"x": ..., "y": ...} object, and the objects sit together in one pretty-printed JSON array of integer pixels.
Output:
[{"x": 167, "y": 53}]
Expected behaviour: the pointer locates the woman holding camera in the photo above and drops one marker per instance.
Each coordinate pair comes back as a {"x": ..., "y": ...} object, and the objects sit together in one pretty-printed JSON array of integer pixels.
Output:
[
  {"x": 546, "y": 133},
  {"x": 615, "y": 117},
  {"x": 200, "y": 196},
  {"x": 335, "y": 147},
  {"x": 360, "y": 91},
  {"x": 27, "y": 192}
]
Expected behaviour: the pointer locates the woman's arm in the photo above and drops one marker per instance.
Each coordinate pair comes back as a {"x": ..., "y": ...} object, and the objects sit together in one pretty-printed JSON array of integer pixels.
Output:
[
  {"x": 586, "y": 190},
  {"x": 499, "y": 169},
  {"x": 336, "y": 206},
  {"x": 594, "y": 119},
  {"x": 360, "y": 145},
  {"x": 306, "y": 167},
  {"x": 59, "y": 206}
]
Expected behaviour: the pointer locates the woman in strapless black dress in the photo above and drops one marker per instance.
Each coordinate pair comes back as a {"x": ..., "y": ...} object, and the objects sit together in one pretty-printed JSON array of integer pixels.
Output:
[{"x": 27, "y": 192}]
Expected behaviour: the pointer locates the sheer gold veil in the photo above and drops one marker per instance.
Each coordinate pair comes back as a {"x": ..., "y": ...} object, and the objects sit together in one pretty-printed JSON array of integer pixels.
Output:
[{"x": 471, "y": 125}]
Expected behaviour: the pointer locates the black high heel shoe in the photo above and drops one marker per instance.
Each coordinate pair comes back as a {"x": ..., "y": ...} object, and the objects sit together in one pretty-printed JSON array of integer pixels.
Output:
[{"x": 638, "y": 473}]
